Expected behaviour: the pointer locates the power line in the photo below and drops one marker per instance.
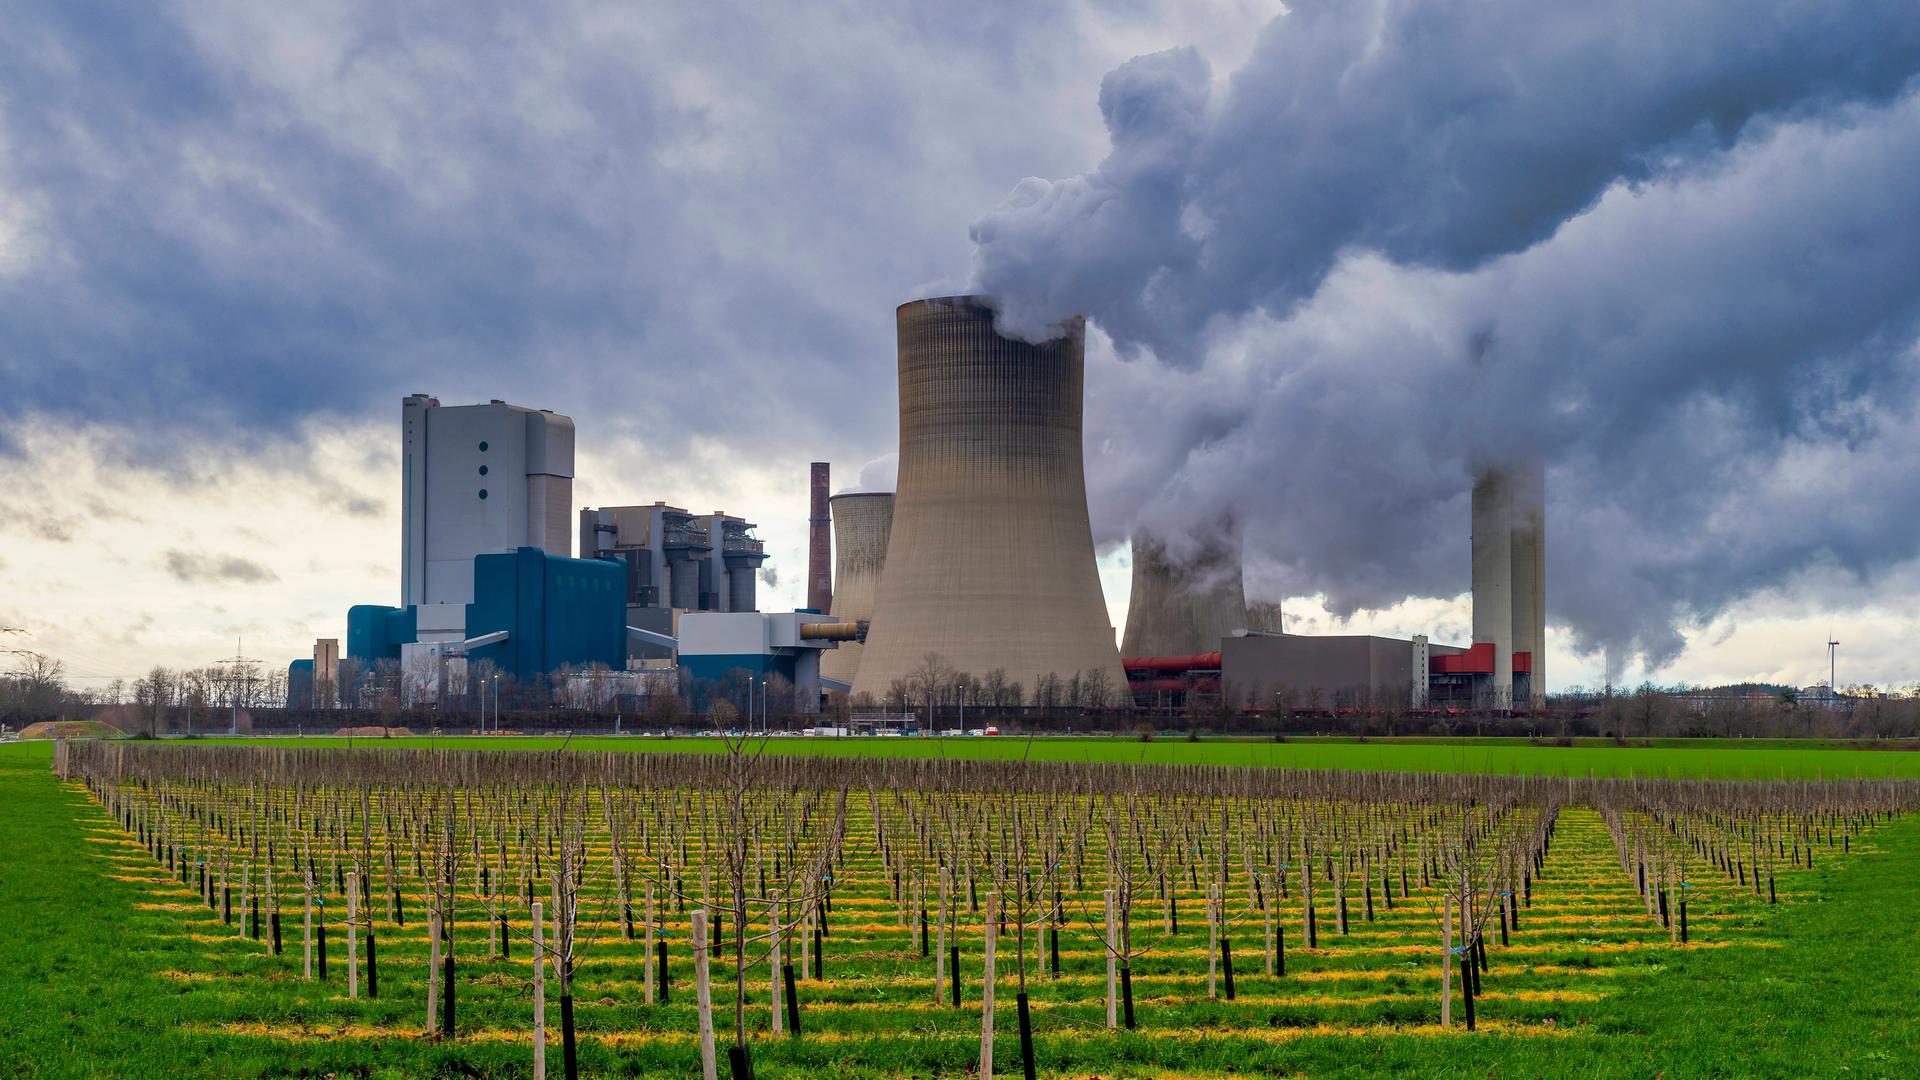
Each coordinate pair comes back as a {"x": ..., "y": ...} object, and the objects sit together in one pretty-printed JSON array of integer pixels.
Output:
[{"x": 235, "y": 665}]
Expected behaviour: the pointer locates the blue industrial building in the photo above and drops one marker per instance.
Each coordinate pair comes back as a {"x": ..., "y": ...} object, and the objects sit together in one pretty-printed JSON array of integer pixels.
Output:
[
  {"x": 300, "y": 683},
  {"x": 375, "y": 632},
  {"x": 555, "y": 612}
]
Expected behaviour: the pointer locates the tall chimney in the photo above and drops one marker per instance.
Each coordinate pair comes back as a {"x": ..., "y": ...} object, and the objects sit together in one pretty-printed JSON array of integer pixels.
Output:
[
  {"x": 1529, "y": 512},
  {"x": 819, "y": 545},
  {"x": 1493, "y": 579}
]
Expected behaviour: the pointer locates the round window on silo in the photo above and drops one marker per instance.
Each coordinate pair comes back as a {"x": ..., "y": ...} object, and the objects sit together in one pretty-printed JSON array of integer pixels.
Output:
[
  {"x": 483, "y": 493},
  {"x": 483, "y": 447},
  {"x": 483, "y": 470}
]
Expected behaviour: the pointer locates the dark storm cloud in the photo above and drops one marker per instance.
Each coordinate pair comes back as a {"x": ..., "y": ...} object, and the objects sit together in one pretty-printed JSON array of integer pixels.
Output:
[
  {"x": 233, "y": 217},
  {"x": 1670, "y": 246},
  {"x": 207, "y": 568}
]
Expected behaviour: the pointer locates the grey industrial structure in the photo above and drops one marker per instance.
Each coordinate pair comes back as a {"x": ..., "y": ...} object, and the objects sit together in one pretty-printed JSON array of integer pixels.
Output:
[
  {"x": 990, "y": 565},
  {"x": 675, "y": 561},
  {"x": 475, "y": 479},
  {"x": 1293, "y": 671},
  {"x": 1509, "y": 582},
  {"x": 862, "y": 524},
  {"x": 1167, "y": 657},
  {"x": 1188, "y": 599}
]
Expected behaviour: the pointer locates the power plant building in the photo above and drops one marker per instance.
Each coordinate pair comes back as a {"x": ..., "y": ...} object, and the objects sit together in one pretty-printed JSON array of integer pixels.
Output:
[
  {"x": 675, "y": 561},
  {"x": 1185, "y": 602},
  {"x": 990, "y": 563},
  {"x": 486, "y": 572},
  {"x": 862, "y": 524},
  {"x": 475, "y": 479}
]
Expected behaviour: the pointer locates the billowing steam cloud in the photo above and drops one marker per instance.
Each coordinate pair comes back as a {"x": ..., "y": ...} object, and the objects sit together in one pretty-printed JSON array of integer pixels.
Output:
[{"x": 1671, "y": 246}]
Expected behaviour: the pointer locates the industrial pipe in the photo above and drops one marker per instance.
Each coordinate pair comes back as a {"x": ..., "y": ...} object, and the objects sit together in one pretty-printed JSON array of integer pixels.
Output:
[
  {"x": 831, "y": 631},
  {"x": 1198, "y": 662}
]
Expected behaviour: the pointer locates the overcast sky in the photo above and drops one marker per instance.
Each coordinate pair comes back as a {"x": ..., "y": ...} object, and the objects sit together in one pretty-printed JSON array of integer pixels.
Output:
[{"x": 1330, "y": 256}]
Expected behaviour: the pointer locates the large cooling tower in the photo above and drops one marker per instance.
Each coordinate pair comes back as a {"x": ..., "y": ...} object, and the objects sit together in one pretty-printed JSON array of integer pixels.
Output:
[
  {"x": 861, "y": 525},
  {"x": 1529, "y": 511},
  {"x": 1493, "y": 578},
  {"x": 1184, "y": 602},
  {"x": 990, "y": 565}
]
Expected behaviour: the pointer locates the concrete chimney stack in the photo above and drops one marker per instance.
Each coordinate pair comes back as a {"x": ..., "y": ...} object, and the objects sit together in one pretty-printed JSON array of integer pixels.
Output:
[
  {"x": 1529, "y": 512},
  {"x": 819, "y": 540},
  {"x": 1493, "y": 579}
]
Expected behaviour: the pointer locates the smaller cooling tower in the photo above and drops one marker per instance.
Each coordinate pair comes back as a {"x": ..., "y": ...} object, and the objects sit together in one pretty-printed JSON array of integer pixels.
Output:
[
  {"x": 862, "y": 523},
  {"x": 1183, "y": 603}
]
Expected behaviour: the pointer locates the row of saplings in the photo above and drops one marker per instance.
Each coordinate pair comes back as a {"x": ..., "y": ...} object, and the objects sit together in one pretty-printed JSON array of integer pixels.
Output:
[{"x": 1027, "y": 835}]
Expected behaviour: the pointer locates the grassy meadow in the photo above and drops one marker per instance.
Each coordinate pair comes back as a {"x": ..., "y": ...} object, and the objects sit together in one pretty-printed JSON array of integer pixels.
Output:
[{"x": 118, "y": 969}]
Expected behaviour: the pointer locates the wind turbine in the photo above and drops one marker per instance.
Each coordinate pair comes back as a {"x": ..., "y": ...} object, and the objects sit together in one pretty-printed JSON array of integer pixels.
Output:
[{"x": 1833, "y": 687}]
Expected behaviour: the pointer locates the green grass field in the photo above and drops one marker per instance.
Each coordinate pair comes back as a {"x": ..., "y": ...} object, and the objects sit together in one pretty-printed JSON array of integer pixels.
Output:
[
  {"x": 1733, "y": 759},
  {"x": 118, "y": 970}
]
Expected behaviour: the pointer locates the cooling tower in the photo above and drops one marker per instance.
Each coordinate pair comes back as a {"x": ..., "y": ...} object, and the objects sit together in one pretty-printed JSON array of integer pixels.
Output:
[
  {"x": 861, "y": 524},
  {"x": 1528, "y": 509},
  {"x": 1184, "y": 603},
  {"x": 990, "y": 565},
  {"x": 1493, "y": 579}
]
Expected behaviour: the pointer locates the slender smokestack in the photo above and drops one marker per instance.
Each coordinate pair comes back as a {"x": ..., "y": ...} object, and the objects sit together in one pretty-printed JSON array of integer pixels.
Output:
[
  {"x": 1493, "y": 579},
  {"x": 819, "y": 541},
  {"x": 991, "y": 564}
]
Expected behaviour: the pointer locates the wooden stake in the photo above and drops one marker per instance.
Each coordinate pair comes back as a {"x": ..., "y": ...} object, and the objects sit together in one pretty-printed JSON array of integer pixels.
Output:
[
  {"x": 433, "y": 970},
  {"x": 353, "y": 944},
  {"x": 539, "y": 994},
  {"x": 1113, "y": 965},
  {"x": 986, "y": 989},
  {"x": 649, "y": 953},
  {"x": 703, "y": 992},
  {"x": 773, "y": 959},
  {"x": 1267, "y": 910},
  {"x": 1213, "y": 940},
  {"x": 1446, "y": 965},
  {"x": 309, "y": 933},
  {"x": 940, "y": 950}
]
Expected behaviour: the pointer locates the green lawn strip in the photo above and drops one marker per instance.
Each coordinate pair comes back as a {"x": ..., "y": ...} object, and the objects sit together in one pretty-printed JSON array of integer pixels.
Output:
[{"x": 1726, "y": 759}]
